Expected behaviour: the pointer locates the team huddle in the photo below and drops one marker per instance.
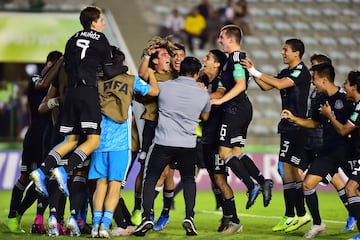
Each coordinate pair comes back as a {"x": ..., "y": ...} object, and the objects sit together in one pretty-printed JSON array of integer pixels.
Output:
[{"x": 196, "y": 115}]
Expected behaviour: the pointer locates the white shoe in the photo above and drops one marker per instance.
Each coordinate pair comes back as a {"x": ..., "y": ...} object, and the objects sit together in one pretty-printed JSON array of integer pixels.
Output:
[
  {"x": 315, "y": 230},
  {"x": 52, "y": 227},
  {"x": 122, "y": 231},
  {"x": 73, "y": 226},
  {"x": 103, "y": 231}
]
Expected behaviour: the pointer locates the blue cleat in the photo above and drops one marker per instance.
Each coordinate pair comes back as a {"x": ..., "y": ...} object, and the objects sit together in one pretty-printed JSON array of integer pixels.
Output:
[
  {"x": 356, "y": 237},
  {"x": 61, "y": 177},
  {"x": 252, "y": 196},
  {"x": 350, "y": 224},
  {"x": 38, "y": 177},
  {"x": 161, "y": 223}
]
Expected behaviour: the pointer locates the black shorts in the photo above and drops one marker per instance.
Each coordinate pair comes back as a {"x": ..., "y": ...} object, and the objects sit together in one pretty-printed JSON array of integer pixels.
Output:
[
  {"x": 292, "y": 147},
  {"x": 81, "y": 111},
  {"x": 32, "y": 154},
  {"x": 199, "y": 154},
  {"x": 354, "y": 166},
  {"x": 328, "y": 161},
  {"x": 233, "y": 129}
]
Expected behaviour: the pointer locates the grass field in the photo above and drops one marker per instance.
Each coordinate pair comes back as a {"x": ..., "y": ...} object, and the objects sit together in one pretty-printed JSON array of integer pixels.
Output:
[{"x": 257, "y": 221}]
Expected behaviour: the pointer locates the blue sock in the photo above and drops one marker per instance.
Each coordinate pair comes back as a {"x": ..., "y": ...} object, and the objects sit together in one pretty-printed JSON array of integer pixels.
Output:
[
  {"x": 97, "y": 217},
  {"x": 107, "y": 218}
]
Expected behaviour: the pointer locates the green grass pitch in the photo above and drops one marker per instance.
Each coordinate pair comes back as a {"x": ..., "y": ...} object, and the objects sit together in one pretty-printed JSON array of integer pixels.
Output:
[{"x": 257, "y": 221}]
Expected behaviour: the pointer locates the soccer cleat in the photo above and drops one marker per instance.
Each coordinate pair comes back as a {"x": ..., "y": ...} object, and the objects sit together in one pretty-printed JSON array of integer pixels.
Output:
[
  {"x": 38, "y": 177},
  {"x": 223, "y": 224},
  {"x": 122, "y": 231},
  {"x": 53, "y": 231},
  {"x": 284, "y": 223},
  {"x": 267, "y": 191},
  {"x": 356, "y": 237},
  {"x": 14, "y": 226},
  {"x": 73, "y": 227},
  {"x": 38, "y": 229},
  {"x": 315, "y": 230},
  {"x": 104, "y": 232},
  {"x": 161, "y": 223},
  {"x": 232, "y": 227},
  {"x": 189, "y": 227},
  {"x": 95, "y": 231},
  {"x": 252, "y": 195},
  {"x": 38, "y": 226},
  {"x": 143, "y": 228},
  {"x": 301, "y": 222},
  {"x": 350, "y": 224},
  {"x": 61, "y": 177},
  {"x": 136, "y": 217}
]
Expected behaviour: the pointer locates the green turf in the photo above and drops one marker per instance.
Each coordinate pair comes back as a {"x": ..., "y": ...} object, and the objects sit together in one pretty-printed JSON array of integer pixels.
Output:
[{"x": 257, "y": 221}]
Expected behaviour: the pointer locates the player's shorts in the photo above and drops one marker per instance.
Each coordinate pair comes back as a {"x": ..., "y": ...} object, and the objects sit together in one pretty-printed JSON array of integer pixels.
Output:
[
  {"x": 32, "y": 154},
  {"x": 110, "y": 165},
  {"x": 81, "y": 111},
  {"x": 233, "y": 129},
  {"x": 355, "y": 169},
  {"x": 328, "y": 161},
  {"x": 292, "y": 147},
  {"x": 199, "y": 154}
]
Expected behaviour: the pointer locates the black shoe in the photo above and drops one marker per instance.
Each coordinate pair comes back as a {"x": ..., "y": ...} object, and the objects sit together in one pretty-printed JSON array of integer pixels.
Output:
[
  {"x": 252, "y": 195},
  {"x": 266, "y": 191},
  {"x": 142, "y": 229},
  {"x": 189, "y": 227},
  {"x": 224, "y": 222}
]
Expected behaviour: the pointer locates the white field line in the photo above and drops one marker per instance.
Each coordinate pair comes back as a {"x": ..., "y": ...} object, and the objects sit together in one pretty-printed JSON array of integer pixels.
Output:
[{"x": 265, "y": 217}]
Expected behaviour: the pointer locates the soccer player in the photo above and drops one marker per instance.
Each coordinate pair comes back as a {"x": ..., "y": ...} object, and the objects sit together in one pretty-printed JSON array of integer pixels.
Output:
[
  {"x": 236, "y": 117},
  {"x": 181, "y": 102},
  {"x": 32, "y": 154},
  {"x": 111, "y": 160},
  {"x": 350, "y": 127},
  {"x": 85, "y": 51},
  {"x": 335, "y": 149},
  {"x": 294, "y": 84}
]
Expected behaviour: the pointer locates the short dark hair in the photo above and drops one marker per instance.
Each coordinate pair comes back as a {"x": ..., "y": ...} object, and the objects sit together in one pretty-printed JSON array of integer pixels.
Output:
[
  {"x": 324, "y": 70},
  {"x": 53, "y": 56},
  {"x": 88, "y": 15},
  {"x": 321, "y": 58},
  {"x": 233, "y": 31},
  {"x": 118, "y": 56},
  {"x": 179, "y": 46},
  {"x": 354, "y": 78},
  {"x": 296, "y": 45},
  {"x": 190, "y": 66},
  {"x": 220, "y": 56}
]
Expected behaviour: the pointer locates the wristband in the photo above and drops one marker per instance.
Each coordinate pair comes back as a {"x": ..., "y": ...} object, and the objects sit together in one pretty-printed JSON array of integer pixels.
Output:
[
  {"x": 255, "y": 72},
  {"x": 146, "y": 55},
  {"x": 52, "y": 102}
]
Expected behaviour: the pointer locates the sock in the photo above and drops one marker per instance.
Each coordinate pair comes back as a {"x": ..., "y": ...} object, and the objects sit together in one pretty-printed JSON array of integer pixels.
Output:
[
  {"x": 313, "y": 205},
  {"x": 289, "y": 198},
  {"x": 343, "y": 198},
  {"x": 229, "y": 210},
  {"x": 75, "y": 159},
  {"x": 252, "y": 168},
  {"x": 240, "y": 171},
  {"x": 168, "y": 196},
  {"x": 16, "y": 197},
  {"x": 107, "y": 218},
  {"x": 42, "y": 204},
  {"x": 97, "y": 217},
  {"x": 125, "y": 211},
  {"x": 300, "y": 200},
  {"x": 30, "y": 197},
  {"x": 50, "y": 162},
  {"x": 137, "y": 205},
  {"x": 354, "y": 208},
  {"x": 78, "y": 186}
]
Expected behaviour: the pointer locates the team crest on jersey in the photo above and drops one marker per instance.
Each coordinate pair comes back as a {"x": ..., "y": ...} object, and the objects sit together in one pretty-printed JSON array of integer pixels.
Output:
[
  {"x": 295, "y": 73},
  {"x": 339, "y": 104}
]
